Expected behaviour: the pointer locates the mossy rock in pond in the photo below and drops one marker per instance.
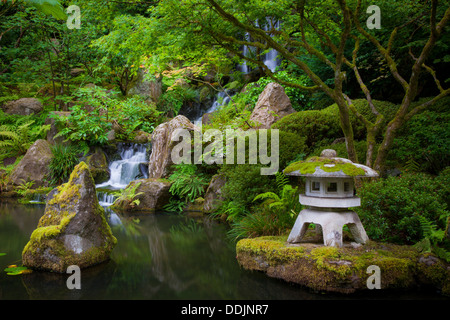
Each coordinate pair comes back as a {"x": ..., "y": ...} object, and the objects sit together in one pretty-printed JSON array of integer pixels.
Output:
[
  {"x": 73, "y": 229},
  {"x": 343, "y": 270}
]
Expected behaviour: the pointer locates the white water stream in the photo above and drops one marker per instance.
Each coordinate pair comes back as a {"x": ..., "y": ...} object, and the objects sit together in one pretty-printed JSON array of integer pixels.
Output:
[{"x": 122, "y": 171}]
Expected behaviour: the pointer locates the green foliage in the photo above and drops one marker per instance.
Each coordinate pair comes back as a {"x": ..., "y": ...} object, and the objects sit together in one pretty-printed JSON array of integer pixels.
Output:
[
  {"x": 63, "y": 162},
  {"x": 187, "y": 183},
  {"x": 244, "y": 183},
  {"x": 17, "y": 138},
  {"x": 49, "y": 7},
  {"x": 126, "y": 197},
  {"x": 23, "y": 188},
  {"x": 274, "y": 216},
  {"x": 432, "y": 237},
  {"x": 390, "y": 208},
  {"x": 82, "y": 125},
  {"x": 88, "y": 121},
  {"x": 424, "y": 140},
  {"x": 316, "y": 126},
  {"x": 134, "y": 114},
  {"x": 173, "y": 99},
  {"x": 299, "y": 99}
]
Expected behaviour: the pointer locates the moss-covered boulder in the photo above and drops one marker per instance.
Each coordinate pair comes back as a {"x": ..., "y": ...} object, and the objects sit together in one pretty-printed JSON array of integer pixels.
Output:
[
  {"x": 343, "y": 270},
  {"x": 73, "y": 229}
]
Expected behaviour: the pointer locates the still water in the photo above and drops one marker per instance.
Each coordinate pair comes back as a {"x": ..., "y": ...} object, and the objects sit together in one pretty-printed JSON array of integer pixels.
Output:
[{"x": 158, "y": 256}]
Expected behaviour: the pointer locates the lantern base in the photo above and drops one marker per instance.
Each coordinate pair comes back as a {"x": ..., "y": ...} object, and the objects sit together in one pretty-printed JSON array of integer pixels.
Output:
[{"x": 331, "y": 223}]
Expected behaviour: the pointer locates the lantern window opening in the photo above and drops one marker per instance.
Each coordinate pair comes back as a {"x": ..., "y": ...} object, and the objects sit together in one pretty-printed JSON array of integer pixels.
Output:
[
  {"x": 315, "y": 186},
  {"x": 332, "y": 187}
]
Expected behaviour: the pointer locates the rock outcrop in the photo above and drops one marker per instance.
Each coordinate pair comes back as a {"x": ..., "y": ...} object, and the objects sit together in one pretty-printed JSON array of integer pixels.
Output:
[
  {"x": 73, "y": 229},
  {"x": 162, "y": 145},
  {"x": 150, "y": 90},
  {"x": 213, "y": 195},
  {"x": 98, "y": 165},
  {"x": 23, "y": 106},
  {"x": 272, "y": 105},
  {"x": 34, "y": 166},
  {"x": 152, "y": 195}
]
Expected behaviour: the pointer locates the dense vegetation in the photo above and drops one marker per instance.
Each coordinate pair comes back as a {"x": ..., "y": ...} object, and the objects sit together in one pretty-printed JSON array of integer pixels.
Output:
[{"x": 383, "y": 90}]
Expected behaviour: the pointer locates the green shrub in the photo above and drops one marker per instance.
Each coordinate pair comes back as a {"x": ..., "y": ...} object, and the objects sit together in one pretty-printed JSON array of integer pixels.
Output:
[
  {"x": 273, "y": 213},
  {"x": 315, "y": 126},
  {"x": 63, "y": 162},
  {"x": 322, "y": 127},
  {"x": 391, "y": 207},
  {"x": 135, "y": 114},
  {"x": 244, "y": 183},
  {"x": 341, "y": 150},
  {"x": 424, "y": 140}
]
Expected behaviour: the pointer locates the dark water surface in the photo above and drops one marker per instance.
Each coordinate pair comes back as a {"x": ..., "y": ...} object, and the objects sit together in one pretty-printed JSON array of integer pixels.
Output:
[{"x": 159, "y": 256}]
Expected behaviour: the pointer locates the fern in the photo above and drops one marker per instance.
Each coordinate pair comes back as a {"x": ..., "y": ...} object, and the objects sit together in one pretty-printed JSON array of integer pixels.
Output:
[
  {"x": 432, "y": 236},
  {"x": 18, "y": 138},
  {"x": 281, "y": 180},
  {"x": 411, "y": 166},
  {"x": 128, "y": 195}
]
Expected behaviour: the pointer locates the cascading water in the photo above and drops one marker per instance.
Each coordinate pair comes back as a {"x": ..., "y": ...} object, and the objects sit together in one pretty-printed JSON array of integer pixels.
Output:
[
  {"x": 221, "y": 99},
  {"x": 123, "y": 171},
  {"x": 270, "y": 59}
]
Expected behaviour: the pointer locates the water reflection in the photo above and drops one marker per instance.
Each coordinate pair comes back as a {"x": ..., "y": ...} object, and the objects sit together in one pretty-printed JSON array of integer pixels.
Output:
[{"x": 158, "y": 256}]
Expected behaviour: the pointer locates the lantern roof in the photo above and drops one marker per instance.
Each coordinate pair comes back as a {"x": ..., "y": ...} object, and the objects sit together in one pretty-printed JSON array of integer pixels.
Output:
[{"x": 328, "y": 165}]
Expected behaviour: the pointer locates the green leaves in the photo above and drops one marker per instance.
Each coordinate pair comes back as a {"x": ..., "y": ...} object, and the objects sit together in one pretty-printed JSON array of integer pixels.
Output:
[
  {"x": 14, "y": 270},
  {"x": 187, "y": 184},
  {"x": 49, "y": 7}
]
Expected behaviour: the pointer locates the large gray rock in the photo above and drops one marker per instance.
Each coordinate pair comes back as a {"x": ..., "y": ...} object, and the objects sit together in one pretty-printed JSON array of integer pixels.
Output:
[
  {"x": 34, "y": 166},
  {"x": 148, "y": 89},
  {"x": 213, "y": 195},
  {"x": 23, "y": 107},
  {"x": 152, "y": 195},
  {"x": 73, "y": 229},
  {"x": 272, "y": 105},
  {"x": 162, "y": 145}
]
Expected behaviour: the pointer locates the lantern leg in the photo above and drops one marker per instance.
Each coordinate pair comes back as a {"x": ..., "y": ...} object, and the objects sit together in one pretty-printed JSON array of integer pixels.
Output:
[
  {"x": 299, "y": 229},
  {"x": 331, "y": 224}
]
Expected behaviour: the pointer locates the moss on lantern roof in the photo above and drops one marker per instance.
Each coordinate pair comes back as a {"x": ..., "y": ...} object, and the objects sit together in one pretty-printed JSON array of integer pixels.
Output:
[{"x": 325, "y": 164}]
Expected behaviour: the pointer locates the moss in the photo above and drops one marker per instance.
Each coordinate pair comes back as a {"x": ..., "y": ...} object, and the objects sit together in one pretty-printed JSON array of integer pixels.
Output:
[
  {"x": 46, "y": 249},
  {"x": 340, "y": 269},
  {"x": 328, "y": 165}
]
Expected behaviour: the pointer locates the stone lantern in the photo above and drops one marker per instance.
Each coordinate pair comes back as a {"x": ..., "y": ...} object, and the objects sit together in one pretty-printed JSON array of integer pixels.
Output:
[{"x": 329, "y": 193}]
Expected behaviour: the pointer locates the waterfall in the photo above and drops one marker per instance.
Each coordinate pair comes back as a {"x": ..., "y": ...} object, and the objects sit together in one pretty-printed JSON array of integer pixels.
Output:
[
  {"x": 129, "y": 167},
  {"x": 126, "y": 169},
  {"x": 221, "y": 99},
  {"x": 270, "y": 59}
]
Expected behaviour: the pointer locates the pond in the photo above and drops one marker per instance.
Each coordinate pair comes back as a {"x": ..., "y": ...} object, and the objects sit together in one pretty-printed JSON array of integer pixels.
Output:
[{"x": 158, "y": 256}]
